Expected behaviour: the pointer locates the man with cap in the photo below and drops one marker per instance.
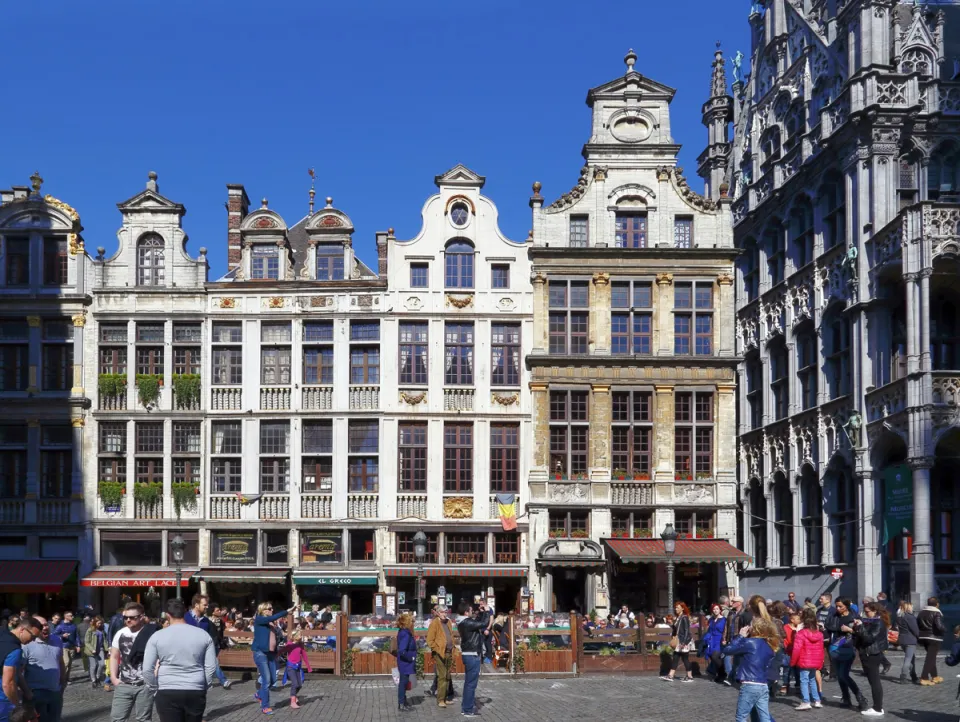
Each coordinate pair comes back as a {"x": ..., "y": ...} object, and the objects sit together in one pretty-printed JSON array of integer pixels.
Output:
[{"x": 440, "y": 642}]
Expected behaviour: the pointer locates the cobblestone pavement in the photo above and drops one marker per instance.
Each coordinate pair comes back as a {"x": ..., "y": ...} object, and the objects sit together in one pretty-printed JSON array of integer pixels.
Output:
[{"x": 506, "y": 699}]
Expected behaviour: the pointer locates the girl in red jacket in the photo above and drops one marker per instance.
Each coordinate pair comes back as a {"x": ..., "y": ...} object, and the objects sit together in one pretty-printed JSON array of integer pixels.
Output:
[{"x": 807, "y": 656}]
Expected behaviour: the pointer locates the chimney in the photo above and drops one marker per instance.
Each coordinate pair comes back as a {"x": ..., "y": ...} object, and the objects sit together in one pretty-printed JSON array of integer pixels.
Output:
[
  {"x": 382, "y": 240},
  {"x": 237, "y": 207}
]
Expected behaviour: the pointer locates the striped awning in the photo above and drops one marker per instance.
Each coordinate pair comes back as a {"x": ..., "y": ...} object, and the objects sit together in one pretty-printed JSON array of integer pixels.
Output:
[
  {"x": 688, "y": 551},
  {"x": 35, "y": 576},
  {"x": 490, "y": 570},
  {"x": 569, "y": 563}
]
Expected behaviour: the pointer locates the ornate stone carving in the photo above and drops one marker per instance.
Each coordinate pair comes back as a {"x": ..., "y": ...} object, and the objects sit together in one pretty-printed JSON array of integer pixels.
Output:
[
  {"x": 413, "y": 399},
  {"x": 458, "y": 507},
  {"x": 724, "y": 279},
  {"x": 226, "y": 302},
  {"x": 601, "y": 279},
  {"x": 275, "y": 302},
  {"x": 664, "y": 279},
  {"x": 330, "y": 221},
  {"x": 413, "y": 303},
  {"x": 561, "y": 492},
  {"x": 460, "y": 302},
  {"x": 265, "y": 222},
  {"x": 78, "y": 423},
  {"x": 74, "y": 244},
  {"x": 693, "y": 493},
  {"x": 321, "y": 301},
  {"x": 34, "y": 321},
  {"x": 575, "y": 193},
  {"x": 506, "y": 304},
  {"x": 80, "y": 320},
  {"x": 505, "y": 399}
]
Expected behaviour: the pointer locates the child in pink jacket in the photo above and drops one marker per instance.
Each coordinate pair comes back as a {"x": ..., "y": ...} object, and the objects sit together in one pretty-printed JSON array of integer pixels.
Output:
[
  {"x": 807, "y": 656},
  {"x": 296, "y": 660}
]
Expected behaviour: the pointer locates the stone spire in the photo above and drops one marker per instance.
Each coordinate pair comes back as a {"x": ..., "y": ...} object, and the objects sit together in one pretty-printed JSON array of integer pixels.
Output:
[
  {"x": 718, "y": 84},
  {"x": 717, "y": 116}
]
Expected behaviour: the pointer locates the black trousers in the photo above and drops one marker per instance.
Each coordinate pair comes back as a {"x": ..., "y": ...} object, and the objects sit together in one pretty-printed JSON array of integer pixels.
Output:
[
  {"x": 180, "y": 705},
  {"x": 871, "y": 667},
  {"x": 930, "y": 661}
]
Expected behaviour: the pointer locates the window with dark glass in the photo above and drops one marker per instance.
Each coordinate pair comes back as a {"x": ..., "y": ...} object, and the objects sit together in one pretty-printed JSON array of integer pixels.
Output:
[
  {"x": 466, "y": 549},
  {"x": 500, "y": 275},
  {"x": 843, "y": 517},
  {"x": 631, "y": 230},
  {"x": 683, "y": 232},
  {"x": 694, "y": 524},
  {"x": 274, "y": 464},
  {"x": 113, "y": 437},
  {"x": 459, "y": 264},
  {"x": 150, "y": 471},
  {"x": 569, "y": 433},
  {"x": 569, "y": 320},
  {"x": 13, "y": 471},
  {"x": 419, "y": 275},
  {"x": 364, "y": 365},
  {"x": 405, "y": 552},
  {"x": 631, "y": 442},
  {"x": 457, "y": 457},
  {"x": 833, "y": 210},
  {"x": 55, "y": 257},
  {"x": 318, "y": 365},
  {"x": 569, "y": 524},
  {"x": 783, "y": 519},
  {"x": 317, "y": 331},
  {"x": 18, "y": 261},
  {"x": 227, "y": 333},
  {"x": 837, "y": 361},
  {"x": 579, "y": 231},
  {"x": 149, "y": 437},
  {"x": 693, "y": 435},
  {"x": 364, "y": 330},
  {"x": 807, "y": 370},
  {"x": 362, "y": 547},
  {"x": 363, "y": 446},
  {"x": 750, "y": 263},
  {"x": 186, "y": 358},
  {"x": 186, "y": 438},
  {"x": 801, "y": 233},
  {"x": 227, "y": 447},
  {"x": 811, "y": 509},
  {"x": 506, "y": 548},
  {"x": 113, "y": 469},
  {"x": 631, "y": 321},
  {"x": 778, "y": 380},
  {"x": 758, "y": 523},
  {"x": 632, "y": 524},
  {"x": 693, "y": 319},
  {"x": 413, "y": 457},
  {"x": 504, "y": 458},
  {"x": 754, "y": 389},
  {"x": 776, "y": 255},
  {"x": 458, "y": 354},
  {"x": 14, "y": 355},
  {"x": 413, "y": 353},
  {"x": 57, "y": 355},
  {"x": 505, "y": 354},
  {"x": 329, "y": 262}
]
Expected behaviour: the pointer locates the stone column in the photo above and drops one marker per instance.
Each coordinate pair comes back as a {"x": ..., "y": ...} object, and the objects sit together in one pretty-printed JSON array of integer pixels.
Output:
[
  {"x": 921, "y": 561},
  {"x": 33, "y": 353},
  {"x": 600, "y": 313},
  {"x": 826, "y": 541},
  {"x": 663, "y": 428},
  {"x": 773, "y": 541},
  {"x": 869, "y": 572},
  {"x": 601, "y": 410},
  {"x": 799, "y": 554},
  {"x": 541, "y": 430},
  {"x": 726, "y": 311},
  {"x": 32, "y": 485},
  {"x": 913, "y": 331},
  {"x": 925, "y": 360},
  {"x": 540, "y": 313},
  {"x": 726, "y": 433},
  {"x": 663, "y": 330},
  {"x": 79, "y": 321}
]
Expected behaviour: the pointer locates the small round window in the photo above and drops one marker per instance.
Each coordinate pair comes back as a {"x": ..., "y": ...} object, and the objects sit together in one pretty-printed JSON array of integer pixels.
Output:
[{"x": 459, "y": 214}]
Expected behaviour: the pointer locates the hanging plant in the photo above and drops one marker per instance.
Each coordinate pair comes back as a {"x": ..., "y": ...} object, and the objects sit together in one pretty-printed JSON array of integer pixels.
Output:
[
  {"x": 112, "y": 384},
  {"x": 148, "y": 388},
  {"x": 184, "y": 496},
  {"x": 111, "y": 493},
  {"x": 148, "y": 493},
  {"x": 186, "y": 390}
]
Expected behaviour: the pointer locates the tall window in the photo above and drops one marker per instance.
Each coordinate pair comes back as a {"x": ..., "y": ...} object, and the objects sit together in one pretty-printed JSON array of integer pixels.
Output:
[
  {"x": 683, "y": 232},
  {"x": 807, "y": 369},
  {"x": 944, "y": 334},
  {"x": 758, "y": 523},
  {"x": 18, "y": 261},
  {"x": 186, "y": 348},
  {"x": 265, "y": 262},
  {"x": 113, "y": 359},
  {"x": 834, "y": 214},
  {"x": 569, "y": 432},
  {"x": 275, "y": 359},
  {"x": 500, "y": 275},
  {"x": 150, "y": 260},
  {"x": 227, "y": 448},
  {"x": 318, "y": 360},
  {"x": 458, "y": 353},
  {"x": 458, "y": 457},
  {"x": 413, "y": 353},
  {"x": 150, "y": 348},
  {"x": 776, "y": 255},
  {"x": 693, "y": 319},
  {"x": 419, "y": 275},
  {"x": 754, "y": 386},
  {"x": 504, "y": 458},
  {"x": 186, "y": 453},
  {"x": 631, "y": 441},
  {"x": 942, "y": 175},
  {"x": 13, "y": 461},
  {"x": 750, "y": 262},
  {"x": 778, "y": 380},
  {"x": 801, "y": 233},
  {"x": 569, "y": 317},
  {"x": 413, "y": 457},
  {"x": 364, "y": 449},
  {"x": 364, "y": 360},
  {"x": 693, "y": 435},
  {"x": 56, "y": 471},
  {"x": 14, "y": 355},
  {"x": 57, "y": 355},
  {"x": 227, "y": 359},
  {"x": 783, "y": 516},
  {"x": 274, "y": 462},
  {"x": 459, "y": 264},
  {"x": 631, "y": 323},
  {"x": 55, "y": 259},
  {"x": 631, "y": 230},
  {"x": 329, "y": 262},
  {"x": 843, "y": 517},
  {"x": 317, "y": 463},
  {"x": 579, "y": 231},
  {"x": 505, "y": 354},
  {"x": 837, "y": 364}
]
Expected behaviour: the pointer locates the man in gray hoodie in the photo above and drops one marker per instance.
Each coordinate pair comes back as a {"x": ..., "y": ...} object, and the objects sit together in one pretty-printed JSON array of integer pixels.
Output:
[{"x": 187, "y": 664}]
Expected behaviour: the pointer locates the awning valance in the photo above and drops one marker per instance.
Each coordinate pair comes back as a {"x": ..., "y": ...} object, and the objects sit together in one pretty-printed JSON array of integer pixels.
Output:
[
  {"x": 254, "y": 575},
  {"x": 688, "y": 551},
  {"x": 490, "y": 570},
  {"x": 306, "y": 577},
  {"x": 136, "y": 578},
  {"x": 571, "y": 563},
  {"x": 35, "y": 576}
]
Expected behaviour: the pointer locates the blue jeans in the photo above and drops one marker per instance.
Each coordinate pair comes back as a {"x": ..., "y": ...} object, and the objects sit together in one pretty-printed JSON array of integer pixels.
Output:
[
  {"x": 728, "y": 665},
  {"x": 220, "y": 675},
  {"x": 787, "y": 672},
  {"x": 267, "y": 669},
  {"x": 402, "y": 689},
  {"x": 808, "y": 685},
  {"x": 753, "y": 696},
  {"x": 471, "y": 668},
  {"x": 5, "y": 709}
]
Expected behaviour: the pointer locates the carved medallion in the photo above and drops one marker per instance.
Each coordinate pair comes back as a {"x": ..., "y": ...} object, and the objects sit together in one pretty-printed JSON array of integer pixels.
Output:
[{"x": 458, "y": 507}]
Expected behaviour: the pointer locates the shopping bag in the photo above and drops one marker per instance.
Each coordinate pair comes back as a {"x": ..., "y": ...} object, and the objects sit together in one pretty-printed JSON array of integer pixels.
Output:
[{"x": 396, "y": 676}]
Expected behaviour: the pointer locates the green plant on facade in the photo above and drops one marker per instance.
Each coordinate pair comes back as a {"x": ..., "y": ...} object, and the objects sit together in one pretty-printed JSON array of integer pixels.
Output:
[
  {"x": 148, "y": 493},
  {"x": 346, "y": 664},
  {"x": 111, "y": 493},
  {"x": 418, "y": 667},
  {"x": 186, "y": 390},
  {"x": 593, "y": 615},
  {"x": 608, "y": 652},
  {"x": 148, "y": 388},
  {"x": 184, "y": 496},
  {"x": 112, "y": 384}
]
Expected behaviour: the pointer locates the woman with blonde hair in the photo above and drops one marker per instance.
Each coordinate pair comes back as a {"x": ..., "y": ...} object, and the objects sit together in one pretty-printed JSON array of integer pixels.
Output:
[
  {"x": 406, "y": 659},
  {"x": 266, "y": 639},
  {"x": 909, "y": 635},
  {"x": 756, "y": 646}
]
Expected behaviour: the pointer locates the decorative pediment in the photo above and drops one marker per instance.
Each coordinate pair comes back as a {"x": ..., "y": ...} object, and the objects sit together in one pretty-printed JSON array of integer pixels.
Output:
[
  {"x": 329, "y": 220},
  {"x": 918, "y": 35},
  {"x": 633, "y": 81},
  {"x": 460, "y": 176},
  {"x": 264, "y": 219},
  {"x": 150, "y": 200}
]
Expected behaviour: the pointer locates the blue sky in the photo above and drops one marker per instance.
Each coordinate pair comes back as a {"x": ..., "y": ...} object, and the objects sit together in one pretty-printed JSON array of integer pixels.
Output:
[{"x": 378, "y": 97}]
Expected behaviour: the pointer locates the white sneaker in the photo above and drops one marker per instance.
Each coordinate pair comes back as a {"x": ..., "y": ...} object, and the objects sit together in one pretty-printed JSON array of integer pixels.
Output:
[
  {"x": 817, "y": 705},
  {"x": 803, "y": 705},
  {"x": 872, "y": 713}
]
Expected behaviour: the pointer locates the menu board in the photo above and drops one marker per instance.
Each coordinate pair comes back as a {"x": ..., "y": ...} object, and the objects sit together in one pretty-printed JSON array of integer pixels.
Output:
[
  {"x": 321, "y": 548},
  {"x": 234, "y": 548}
]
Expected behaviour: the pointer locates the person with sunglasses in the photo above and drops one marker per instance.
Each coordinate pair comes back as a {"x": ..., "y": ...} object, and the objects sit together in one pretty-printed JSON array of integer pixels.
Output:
[
  {"x": 12, "y": 688},
  {"x": 266, "y": 642},
  {"x": 130, "y": 692}
]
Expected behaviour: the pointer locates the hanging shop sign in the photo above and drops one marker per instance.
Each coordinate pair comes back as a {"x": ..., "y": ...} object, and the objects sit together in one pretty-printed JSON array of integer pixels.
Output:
[
  {"x": 231, "y": 548},
  {"x": 321, "y": 548}
]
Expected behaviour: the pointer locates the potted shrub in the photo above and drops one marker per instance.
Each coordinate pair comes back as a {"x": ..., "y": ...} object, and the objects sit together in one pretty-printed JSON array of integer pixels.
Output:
[
  {"x": 704, "y": 475},
  {"x": 557, "y": 533},
  {"x": 184, "y": 496},
  {"x": 643, "y": 534},
  {"x": 148, "y": 388},
  {"x": 704, "y": 533},
  {"x": 148, "y": 493},
  {"x": 111, "y": 385},
  {"x": 186, "y": 389},
  {"x": 111, "y": 494},
  {"x": 558, "y": 475},
  {"x": 639, "y": 475},
  {"x": 619, "y": 474},
  {"x": 579, "y": 534},
  {"x": 580, "y": 476}
]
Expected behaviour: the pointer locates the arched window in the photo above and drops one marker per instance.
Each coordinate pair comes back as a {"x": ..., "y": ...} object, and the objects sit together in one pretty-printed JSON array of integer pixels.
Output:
[
  {"x": 795, "y": 123},
  {"x": 459, "y": 264},
  {"x": 783, "y": 515},
  {"x": 907, "y": 181},
  {"x": 801, "y": 232},
  {"x": 758, "y": 523},
  {"x": 832, "y": 213},
  {"x": 770, "y": 146},
  {"x": 811, "y": 511},
  {"x": 150, "y": 260},
  {"x": 942, "y": 181},
  {"x": 843, "y": 517},
  {"x": 915, "y": 61},
  {"x": 944, "y": 334},
  {"x": 329, "y": 262}
]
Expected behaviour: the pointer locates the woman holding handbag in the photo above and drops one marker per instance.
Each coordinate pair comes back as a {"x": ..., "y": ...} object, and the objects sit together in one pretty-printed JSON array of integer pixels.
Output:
[
  {"x": 406, "y": 659},
  {"x": 840, "y": 624},
  {"x": 682, "y": 643},
  {"x": 870, "y": 636}
]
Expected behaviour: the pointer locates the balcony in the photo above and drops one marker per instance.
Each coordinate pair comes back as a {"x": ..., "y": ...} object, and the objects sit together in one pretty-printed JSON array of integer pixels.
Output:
[
  {"x": 226, "y": 399},
  {"x": 316, "y": 506},
  {"x": 113, "y": 402},
  {"x": 12, "y": 511},
  {"x": 888, "y": 400},
  {"x": 412, "y": 506},
  {"x": 224, "y": 507},
  {"x": 946, "y": 388},
  {"x": 495, "y": 507},
  {"x": 632, "y": 493},
  {"x": 275, "y": 398},
  {"x": 363, "y": 506},
  {"x": 53, "y": 511},
  {"x": 148, "y": 509},
  {"x": 274, "y": 506},
  {"x": 116, "y": 511},
  {"x": 317, "y": 398},
  {"x": 458, "y": 399},
  {"x": 364, "y": 398},
  {"x": 187, "y": 392}
]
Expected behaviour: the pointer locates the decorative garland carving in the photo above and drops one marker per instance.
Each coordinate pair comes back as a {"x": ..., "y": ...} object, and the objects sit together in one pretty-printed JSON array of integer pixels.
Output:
[
  {"x": 686, "y": 192},
  {"x": 74, "y": 244},
  {"x": 60, "y": 205},
  {"x": 506, "y": 400},
  {"x": 575, "y": 193},
  {"x": 227, "y": 303},
  {"x": 458, "y": 507},
  {"x": 460, "y": 302},
  {"x": 413, "y": 399},
  {"x": 80, "y": 320},
  {"x": 276, "y": 302}
]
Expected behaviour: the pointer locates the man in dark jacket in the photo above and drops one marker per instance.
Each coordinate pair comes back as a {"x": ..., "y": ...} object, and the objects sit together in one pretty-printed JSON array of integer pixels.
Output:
[
  {"x": 930, "y": 625},
  {"x": 825, "y": 610},
  {"x": 737, "y": 618},
  {"x": 471, "y": 626}
]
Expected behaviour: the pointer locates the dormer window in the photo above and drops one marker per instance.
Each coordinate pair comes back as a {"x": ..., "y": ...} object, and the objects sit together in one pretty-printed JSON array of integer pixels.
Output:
[
  {"x": 631, "y": 231},
  {"x": 459, "y": 264},
  {"x": 459, "y": 214},
  {"x": 330, "y": 262},
  {"x": 265, "y": 262},
  {"x": 150, "y": 260}
]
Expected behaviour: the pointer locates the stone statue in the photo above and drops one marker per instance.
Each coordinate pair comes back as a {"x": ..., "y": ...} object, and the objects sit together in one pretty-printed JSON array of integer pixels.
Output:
[{"x": 737, "y": 62}]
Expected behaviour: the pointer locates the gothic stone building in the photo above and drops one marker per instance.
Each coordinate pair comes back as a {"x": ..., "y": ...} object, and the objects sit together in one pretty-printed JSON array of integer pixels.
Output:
[{"x": 844, "y": 170}]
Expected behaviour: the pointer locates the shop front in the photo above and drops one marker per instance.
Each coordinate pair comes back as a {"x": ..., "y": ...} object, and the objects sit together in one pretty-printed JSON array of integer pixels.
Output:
[
  {"x": 571, "y": 576},
  {"x": 498, "y": 584},
  {"x": 351, "y": 592},
  {"x": 337, "y": 568},
  {"x": 43, "y": 585},
  {"x": 244, "y": 572},
  {"x": 149, "y": 587}
]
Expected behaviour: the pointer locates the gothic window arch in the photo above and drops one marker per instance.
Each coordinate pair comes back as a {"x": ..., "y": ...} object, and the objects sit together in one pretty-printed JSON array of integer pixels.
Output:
[
  {"x": 758, "y": 522},
  {"x": 916, "y": 60},
  {"x": 807, "y": 373},
  {"x": 836, "y": 353},
  {"x": 459, "y": 264},
  {"x": 833, "y": 216},
  {"x": 795, "y": 123},
  {"x": 773, "y": 238},
  {"x": 770, "y": 146},
  {"x": 843, "y": 513},
  {"x": 811, "y": 515},
  {"x": 783, "y": 516},
  {"x": 150, "y": 260},
  {"x": 944, "y": 332},
  {"x": 750, "y": 265},
  {"x": 942, "y": 173}
]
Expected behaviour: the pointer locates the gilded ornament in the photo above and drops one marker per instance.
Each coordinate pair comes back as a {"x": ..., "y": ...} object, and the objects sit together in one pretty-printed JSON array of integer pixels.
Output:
[
  {"x": 275, "y": 302},
  {"x": 227, "y": 303},
  {"x": 506, "y": 399},
  {"x": 33, "y": 321},
  {"x": 460, "y": 302},
  {"x": 413, "y": 399},
  {"x": 80, "y": 320},
  {"x": 78, "y": 423},
  {"x": 601, "y": 279},
  {"x": 725, "y": 279},
  {"x": 60, "y": 205},
  {"x": 74, "y": 244},
  {"x": 664, "y": 279},
  {"x": 458, "y": 507}
]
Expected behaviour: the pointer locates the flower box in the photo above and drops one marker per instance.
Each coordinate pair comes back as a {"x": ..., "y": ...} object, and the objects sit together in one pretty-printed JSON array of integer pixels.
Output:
[
  {"x": 641, "y": 476},
  {"x": 643, "y": 534},
  {"x": 683, "y": 476},
  {"x": 579, "y": 534},
  {"x": 548, "y": 660}
]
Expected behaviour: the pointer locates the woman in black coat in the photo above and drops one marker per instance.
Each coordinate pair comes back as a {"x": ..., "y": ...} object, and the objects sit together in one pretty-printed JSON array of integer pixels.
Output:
[
  {"x": 840, "y": 624},
  {"x": 871, "y": 640},
  {"x": 909, "y": 635}
]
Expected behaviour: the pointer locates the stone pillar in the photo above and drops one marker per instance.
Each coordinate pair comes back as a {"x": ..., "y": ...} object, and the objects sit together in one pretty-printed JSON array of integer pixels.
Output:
[
  {"x": 601, "y": 410},
  {"x": 32, "y": 486},
  {"x": 773, "y": 541},
  {"x": 799, "y": 553},
  {"x": 540, "y": 313},
  {"x": 540, "y": 398},
  {"x": 826, "y": 541},
  {"x": 600, "y": 313},
  {"x": 913, "y": 331},
  {"x": 663, "y": 319},
  {"x": 33, "y": 353},
  {"x": 726, "y": 431},
  {"x": 663, "y": 425},
  {"x": 921, "y": 561},
  {"x": 76, "y": 471},
  {"x": 869, "y": 571},
  {"x": 725, "y": 315},
  {"x": 79, "y": 321},
  {"x": 925, "y": 360}
]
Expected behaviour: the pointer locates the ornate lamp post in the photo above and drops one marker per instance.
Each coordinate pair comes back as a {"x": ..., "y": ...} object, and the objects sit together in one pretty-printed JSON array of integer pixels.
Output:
[
  {"x": 177, "y": 544},
  {"x": 669, "y": 536},
  {"x": 420, "y": 553}
]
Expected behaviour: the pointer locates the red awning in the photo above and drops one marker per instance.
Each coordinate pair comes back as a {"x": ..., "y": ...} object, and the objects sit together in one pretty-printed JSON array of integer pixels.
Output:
[
  {"x": 460, "y": 571},
  {"x": 689, "y": 551},
  {"x": 36, "y": 576},
  {"x": 136, "y": 578}
]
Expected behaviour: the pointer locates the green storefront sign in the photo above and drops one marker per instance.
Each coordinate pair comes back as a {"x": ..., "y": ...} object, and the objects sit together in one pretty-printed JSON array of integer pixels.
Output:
[
  {"x": 334, "y": 580},
  {"x": 898, "y": 501}
]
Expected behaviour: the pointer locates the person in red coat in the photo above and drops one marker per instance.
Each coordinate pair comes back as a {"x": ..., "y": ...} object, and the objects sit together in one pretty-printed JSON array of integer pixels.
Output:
[{"x": 807, "y": 656}]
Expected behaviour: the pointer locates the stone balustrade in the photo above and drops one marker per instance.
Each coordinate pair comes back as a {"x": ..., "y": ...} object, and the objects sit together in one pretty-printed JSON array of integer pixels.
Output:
[
  {"x": 458, "y": 399},
  {"x": 316, "y": 506},
  {"x": 412, "y": 506},
  {"x": 363, "y": 506},
  {"x": 116, "y": 402},
  {"x": 12, "y": 511},
  {"x": 226, "y": 399},
  {"x": 275, "y": 398},
  {"x": 632, "y": 493},
  {"x": 275, "y": 506},
  {"x": 364, "y": 398},
  {"x": 224, "y": 507},
  {"x": 317, "y": 398}
]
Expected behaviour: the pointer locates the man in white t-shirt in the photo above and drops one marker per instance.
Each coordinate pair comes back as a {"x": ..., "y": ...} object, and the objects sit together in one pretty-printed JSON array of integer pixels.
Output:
[
  {"x": 126, "y": 667},
  {"x": 626, "y": 616}
]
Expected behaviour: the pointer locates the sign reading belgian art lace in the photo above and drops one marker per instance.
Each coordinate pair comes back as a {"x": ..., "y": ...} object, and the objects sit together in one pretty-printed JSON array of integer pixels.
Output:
[{"x": 898, "y": 507}]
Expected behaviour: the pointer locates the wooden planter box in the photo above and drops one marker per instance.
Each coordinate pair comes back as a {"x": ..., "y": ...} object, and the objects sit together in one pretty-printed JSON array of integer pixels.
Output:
[
  {"x": 428, "y": 668},
  {"x": 373, "y": 662},
  {"x": 237, "y": 659},
  {"x": 549, "y": 660},
  {"x": 322, "y": 660}
]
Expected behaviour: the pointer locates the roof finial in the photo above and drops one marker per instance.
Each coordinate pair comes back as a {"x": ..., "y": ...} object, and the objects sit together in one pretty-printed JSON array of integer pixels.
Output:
[
  {"x": 264, "y": 202},
  {"x": 152, "y": 181},
  {"x": 718, "y": 82},
  {"x": 630, "y": 59},
  {"x": 329, "y": 202},
  {"x": 36, "y": 181},
  {"x": 313, "y": 190}
]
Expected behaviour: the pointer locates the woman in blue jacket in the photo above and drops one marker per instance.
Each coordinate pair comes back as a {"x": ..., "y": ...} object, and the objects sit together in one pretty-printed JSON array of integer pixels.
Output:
[
  {"x": 266, "y": 641},
  {"x": 713, "y": 638},
  {"x": 756, "y": 646},
  {"x": 406, "y": 659}
]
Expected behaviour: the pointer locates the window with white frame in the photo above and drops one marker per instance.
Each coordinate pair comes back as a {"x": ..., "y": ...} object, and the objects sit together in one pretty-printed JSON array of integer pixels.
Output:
[
  {"x": 363, "y": 447},
  {"x": 458, "y": 354},
  {"x": 413, "y": 352},
  {"x": 150, "y": 260},
  {"x": 631, "y": 443},
  {"x": 693, "y": 435},
  {"x": 265, "y": 262},
  {"x": 317, "y": 462},
  {"x": 275, "y": 361},
  {"x": 693, "y": 319},
  {"x": 329, "y": 262},
  {"x": 569, "y": 433},
  {"x": 227, "y": 463},
  {"x": 505, "y": 354},
  {"x": 579, "y": 231},
  {"x": 274, "y": 459},
  {"x": 631, "y": 321}
]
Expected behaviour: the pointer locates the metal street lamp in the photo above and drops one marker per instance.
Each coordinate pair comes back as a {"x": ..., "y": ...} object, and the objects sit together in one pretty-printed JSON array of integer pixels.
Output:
[
  {"x": 178, "y": 545},
  {"x": 669, "y": 536},
  {"x": 420, "y": 553}
]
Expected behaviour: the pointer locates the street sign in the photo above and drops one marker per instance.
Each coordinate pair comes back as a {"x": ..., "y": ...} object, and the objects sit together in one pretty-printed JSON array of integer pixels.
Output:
[{"x": 836, "y": 574}]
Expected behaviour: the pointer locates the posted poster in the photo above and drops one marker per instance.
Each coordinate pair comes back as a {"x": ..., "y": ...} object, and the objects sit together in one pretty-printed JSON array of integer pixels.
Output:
[{"x": 898, "y": 501}]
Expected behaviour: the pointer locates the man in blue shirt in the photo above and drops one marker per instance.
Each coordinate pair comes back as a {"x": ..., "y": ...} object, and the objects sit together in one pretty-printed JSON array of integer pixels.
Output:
[
  {"x": 13, "y": 690},
  {"x": 44, "y": 674},
  {"x": 196, "y": 616},
  {"x": 66, "y": 631}
]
